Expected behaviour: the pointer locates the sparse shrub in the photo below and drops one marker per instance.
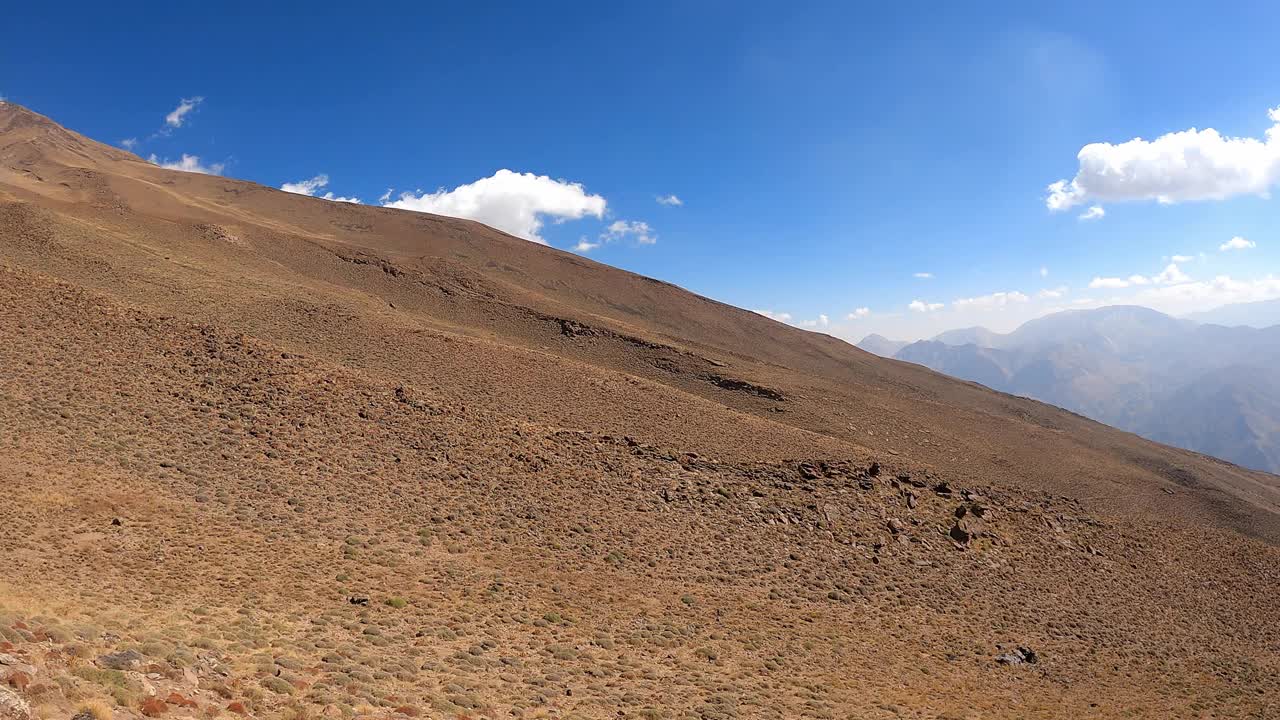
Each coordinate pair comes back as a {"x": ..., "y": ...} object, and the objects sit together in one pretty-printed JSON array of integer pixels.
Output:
[
  {"x": 397, "y": 602},
  {"x": 277, "y": 685},
  {"x": 93, "y": 710}
]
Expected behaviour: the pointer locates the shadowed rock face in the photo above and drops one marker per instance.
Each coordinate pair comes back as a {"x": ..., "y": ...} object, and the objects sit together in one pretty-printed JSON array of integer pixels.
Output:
[
  {"x": 303, "y": 456},
  {"x": 1206, "y": 388}
]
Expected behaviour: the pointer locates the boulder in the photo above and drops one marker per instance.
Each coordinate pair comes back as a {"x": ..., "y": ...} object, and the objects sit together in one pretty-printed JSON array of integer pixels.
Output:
[
  {"x": 13, "y": 707},
  {"x": 124, "y": 660}
]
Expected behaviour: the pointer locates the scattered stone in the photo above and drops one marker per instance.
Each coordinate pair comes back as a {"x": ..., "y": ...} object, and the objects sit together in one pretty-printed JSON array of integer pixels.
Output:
[
  {"x": 116, "y": 522},
  {"x": 874, "y": 470},
  {"x": 1018, "y": 657},
  {"x": 361, "y": 600},
  {"x": 896, "y": 527},
  {"x": 125, "y": 660}
]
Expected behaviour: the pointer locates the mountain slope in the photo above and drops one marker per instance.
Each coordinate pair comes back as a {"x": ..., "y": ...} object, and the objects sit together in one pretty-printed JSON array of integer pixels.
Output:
[{"x": 344, "y": 460}]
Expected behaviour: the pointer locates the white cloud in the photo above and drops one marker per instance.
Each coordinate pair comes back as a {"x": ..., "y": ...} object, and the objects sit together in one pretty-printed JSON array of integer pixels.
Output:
[
  {"x": 1052, "y": 293},
  {"x": 1182, "y": 258},
  {"x": 339, "y": 198},
  {"x": 1177, "y": 167},
  {"x": 922, "y": 275},
  {"x": 1170, "y": 275},
  {"x": 1237, "y": 243},
  {"x": 922, "y": 306},
  {"x": 310, "y": 186},
  {"x": 188, "y": 163},
  {"x": 1111, "y": 283},
  {"x": 994, "y": 300},
  {"x": 129, "y": 143},
  {"x": 669, "y": 200},
  {"x": 1095, "y": 212},
  {"x": 176, "y": 118},
  {"x": 1206, "y": 294},
  {"x": 621, "y": 229},
  {"x": 386, "y": 196},
  {"x": 858, "y": 313},
  {"x": 822, "y": 321},
  {"x": 306, "y": 187},
  {"x": 512, "y": 202},
  {"x": 585, "y": 245},
  {"x": 779, "y": 316}
]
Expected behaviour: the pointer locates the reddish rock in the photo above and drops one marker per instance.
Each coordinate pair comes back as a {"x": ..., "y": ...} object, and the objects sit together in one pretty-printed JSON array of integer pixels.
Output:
[
  {"x": 237, "y": 707},
  {"x": 176, "y": 699},
  {"x": 153, "y": 707},
  {"x": 19, "y": 680}
]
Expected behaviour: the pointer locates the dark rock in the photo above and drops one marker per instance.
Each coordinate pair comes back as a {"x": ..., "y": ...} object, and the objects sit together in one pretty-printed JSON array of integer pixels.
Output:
[
  {"x": 358, "y": 600},
  {"x": 124, "y": 660},
  {"x": 1018, "y": 657}
]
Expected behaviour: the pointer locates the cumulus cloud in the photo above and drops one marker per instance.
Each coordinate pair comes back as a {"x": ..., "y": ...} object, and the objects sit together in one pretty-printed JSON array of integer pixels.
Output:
[
  {"x": 306, "y": 187},
  {"x": 129, "y": 143},
  {"x": 922, "y": 275},
  {"x": 1095, "y": 212},
  {"x": 188, "y": 163},
  {"x": 858, "y": 313},
  {"x": 176, "y": 118},
  {"x": 822, "y": 321},
  {"x": 1177, "y": 167},
  {"x": 1169, "y": 275},
  {"x": 779, "y": 316},
  {"x": 1052, "y": 293},
  {"x": 1109, "y": 283},
  {"x": 513, "y": 202},
  {"x": 621, "y": 229},
  {"x": 339, "y": 198},
  {"x": 994, "y": 300},
  {"x": 1205, "y": 294},
  {"x": 922, "y": 306},
  {"x": 669, "y": 200},
  {"x": 1237, "y": 243},
  {"x": 311, "y": 186}
]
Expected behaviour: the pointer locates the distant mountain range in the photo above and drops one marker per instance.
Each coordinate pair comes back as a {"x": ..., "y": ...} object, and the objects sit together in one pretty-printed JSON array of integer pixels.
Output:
[
  {"x": 1262, "y": 314},
  {"x": 1205, "y": 387}
]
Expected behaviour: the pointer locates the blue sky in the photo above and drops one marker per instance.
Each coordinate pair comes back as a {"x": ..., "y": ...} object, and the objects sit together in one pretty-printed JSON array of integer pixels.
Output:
[{"x": 824, "y": 153}]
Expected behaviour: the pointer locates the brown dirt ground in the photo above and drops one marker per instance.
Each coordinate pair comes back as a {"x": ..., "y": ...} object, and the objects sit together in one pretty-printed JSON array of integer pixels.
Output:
[{"x": 565, "y": 490}]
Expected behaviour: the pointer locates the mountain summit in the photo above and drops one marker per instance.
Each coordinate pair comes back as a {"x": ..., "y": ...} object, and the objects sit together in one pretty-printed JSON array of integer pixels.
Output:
[{"x": 275, "y": 455}]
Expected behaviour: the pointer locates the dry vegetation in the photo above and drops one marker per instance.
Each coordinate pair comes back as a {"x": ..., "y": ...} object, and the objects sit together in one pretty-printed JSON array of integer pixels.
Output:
[{"x": 466, "y": 510}]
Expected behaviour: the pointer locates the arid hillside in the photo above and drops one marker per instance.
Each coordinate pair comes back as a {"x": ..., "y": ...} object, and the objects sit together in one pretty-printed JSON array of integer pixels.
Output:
[{"x": 272, "y": 455}]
